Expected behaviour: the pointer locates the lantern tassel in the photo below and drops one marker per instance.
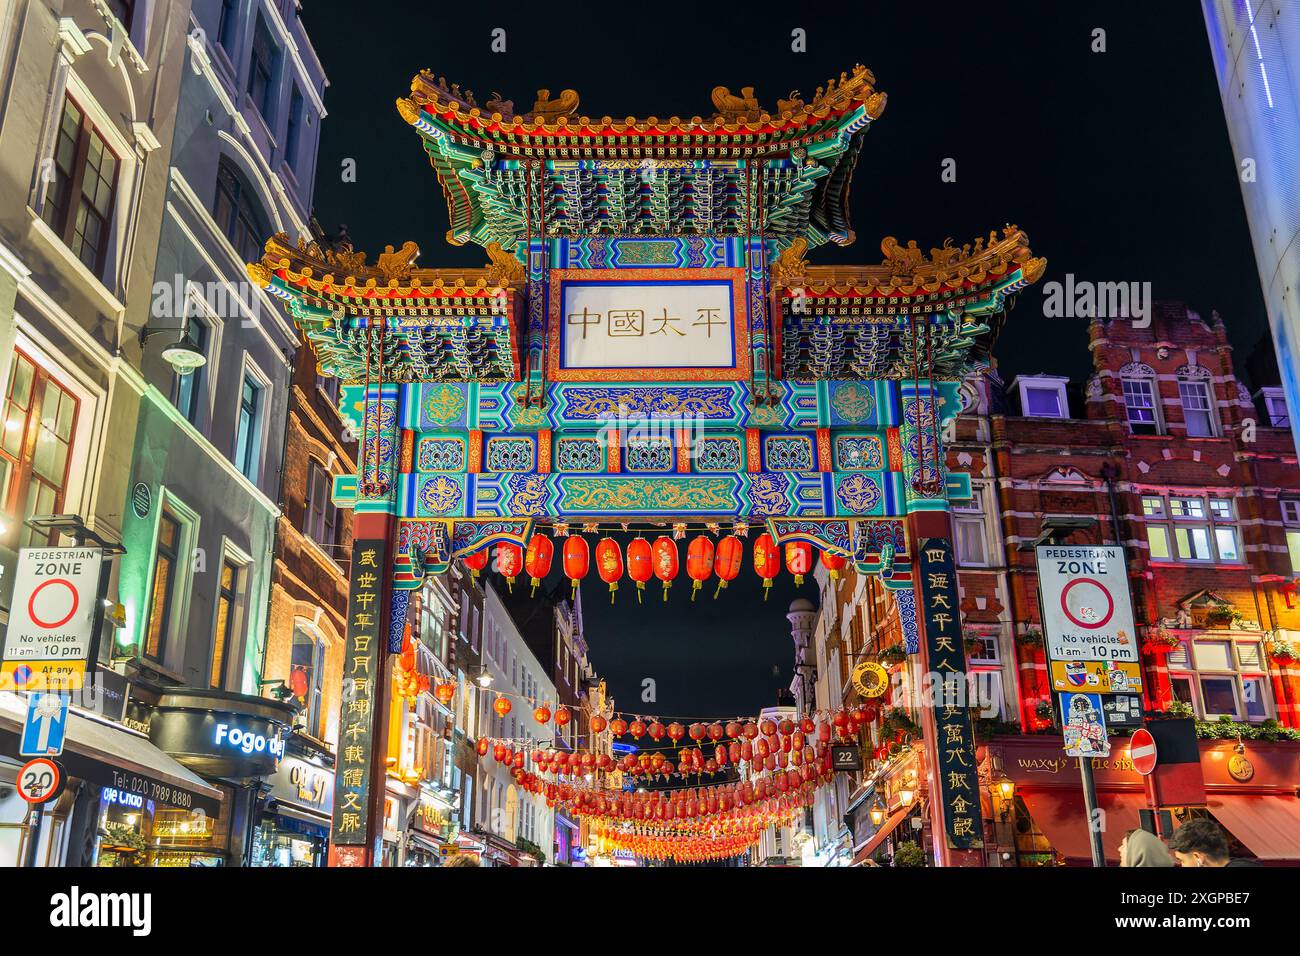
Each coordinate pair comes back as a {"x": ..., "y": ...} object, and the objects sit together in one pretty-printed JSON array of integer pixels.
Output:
[
  {"x": 767, "y": 587},
  {"x": 640, "y": 590},
  {"x": 695, "y": 589},
  {"x": 536, "y": 582},
  {"x": 510, "y": 585},
  {"x": 666, "y": 592},
  {"x": 574, "y": 582},
  {"x": 721, "y": 584},
  {"x": 612, "y": 588}
]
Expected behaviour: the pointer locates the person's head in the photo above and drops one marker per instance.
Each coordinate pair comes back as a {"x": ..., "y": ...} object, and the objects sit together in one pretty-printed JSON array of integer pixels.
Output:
[
  {"x": 1141, "y": 848},
  {"x": 1200, "y": 843},
  {"x": 463, "y": 859}
]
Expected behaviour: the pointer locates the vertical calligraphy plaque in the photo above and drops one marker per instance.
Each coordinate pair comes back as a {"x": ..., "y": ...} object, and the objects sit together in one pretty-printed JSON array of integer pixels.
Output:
[
  {"x": 362, "y": 672},
  {"x": 956, "y": 774}
]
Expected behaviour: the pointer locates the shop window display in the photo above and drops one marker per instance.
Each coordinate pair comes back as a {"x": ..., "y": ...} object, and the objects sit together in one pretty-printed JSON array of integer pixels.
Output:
[{"x": 135, "y": 832}]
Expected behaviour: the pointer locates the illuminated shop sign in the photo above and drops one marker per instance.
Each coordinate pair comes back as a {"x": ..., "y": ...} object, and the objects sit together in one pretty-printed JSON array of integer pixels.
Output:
[{"x": 247, "y": 741}]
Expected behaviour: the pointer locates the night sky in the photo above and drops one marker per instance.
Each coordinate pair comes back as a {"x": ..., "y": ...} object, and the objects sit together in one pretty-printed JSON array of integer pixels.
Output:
[{"x": 1117, "y": 164}]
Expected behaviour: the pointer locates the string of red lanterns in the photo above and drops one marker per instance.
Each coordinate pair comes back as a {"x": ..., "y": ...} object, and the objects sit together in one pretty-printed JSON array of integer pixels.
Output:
[{"x": 660, "y": 559}]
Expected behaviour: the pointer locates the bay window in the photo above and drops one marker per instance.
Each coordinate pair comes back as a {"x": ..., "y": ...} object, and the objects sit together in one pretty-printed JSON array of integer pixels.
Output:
[
  {"x": 1191, "y": 529},
  {"x": 1221, "y": 677}
]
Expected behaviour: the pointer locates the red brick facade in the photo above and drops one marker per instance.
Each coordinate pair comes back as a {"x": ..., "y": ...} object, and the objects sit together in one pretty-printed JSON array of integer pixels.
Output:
[{"x": 1190, "y": 475}]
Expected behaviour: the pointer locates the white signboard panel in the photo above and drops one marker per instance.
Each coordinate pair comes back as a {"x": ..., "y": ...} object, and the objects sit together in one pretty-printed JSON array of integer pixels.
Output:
[
  {"x": 1087, "y": 611},
  {"x": 648, "y": 325},
  {"x": 51, "y": 620}
]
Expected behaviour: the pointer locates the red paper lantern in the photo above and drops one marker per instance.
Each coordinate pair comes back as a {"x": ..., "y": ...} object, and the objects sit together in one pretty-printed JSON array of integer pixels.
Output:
[
  {"x": 598, "y": 724},
  {"x": 664, "y": 559},
  {"x": 476, "y": 562},
  {"x": 834, "y": 564},
  {"x": 727, "y": 561},
  {"x": 562, "y": 717},
  {"x": 577, "y": 560},
  {"x": 798, "y": 559},
  {"x": 640, "y": 564},
  {"x": 609, "y": 564},
  {"x": 542, "y": 714},
  {"x": 537, "y": 562},
  {"x": 501, "y": 705},
  {"x": 482, "y": 746},
  {"x": 676, "y": 731},
  {"x": 510, "y": 560},
  {"x": 699, "y": 562},
  {"x": 767, "y": 561},
  {"x": 445, "y": 692},
  {"x": 618, "y": 726},
  {"x": 637, "y": 729}
]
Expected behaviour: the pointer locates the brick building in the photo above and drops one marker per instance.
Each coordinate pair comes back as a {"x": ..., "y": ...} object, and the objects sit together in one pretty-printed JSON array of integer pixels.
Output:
[{"x": 1164, "y": 450}]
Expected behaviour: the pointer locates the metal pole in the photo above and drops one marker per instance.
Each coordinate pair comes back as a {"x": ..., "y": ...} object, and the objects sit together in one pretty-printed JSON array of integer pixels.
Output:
[
  {"x": 1090, "y": 808},
  {"x": 33, "y": 834}
]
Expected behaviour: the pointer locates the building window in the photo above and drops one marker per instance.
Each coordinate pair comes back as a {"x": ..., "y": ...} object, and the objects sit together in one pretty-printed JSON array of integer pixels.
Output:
[
  {"x": 307, "y": 676},
  {"x": 322, "y": 517},
  {"x": 237, "y": 214},
  {"x": 1140, "y": 406},
  {"x": 261, "y": 72},
  {"x": 970, "y": 532},
  {"x": 1198, "y": 412},
  {"x": 1192, "y": 529},
  {"x": 228, "y": 24},
  {"x": 189, "y": 389},
  {"x": 293, "y": 134},
  {"x": 1043, "y": 396},
  {"x": 124, "y": 10},
  {"x": 79, "y": 202},
  {"x": 1221, "y": 678},
  {"x": 329, "y": 384},
  {"x": 225, "y": 633},
  {"x": 1275, "y": 406},
  {"x": 36, "y": 444},
  {"x": 248, "y": 440},
  {"x": 166, "y": 572}
]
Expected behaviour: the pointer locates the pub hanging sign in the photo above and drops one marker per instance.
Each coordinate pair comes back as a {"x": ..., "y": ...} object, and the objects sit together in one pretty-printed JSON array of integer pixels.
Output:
[
  {"x": 361, "y": 674},
  {"x": 956, "y": 773}
]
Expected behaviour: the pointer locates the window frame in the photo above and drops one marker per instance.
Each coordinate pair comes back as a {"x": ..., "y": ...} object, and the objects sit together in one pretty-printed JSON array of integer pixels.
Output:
[
  {"x": 1167, "y": 524},
  {"x": 1184, "y": 666},
  {"x": 257, "y": 441},
  {"x": 227, "y": 647},
  {"x": 64, "y": 193},
  {"x": 1201, "y": 385},
  {"x": 317, "y": 522},
  {"x": 1156, "y": 424},
  {"x": 263, "y": 100}
]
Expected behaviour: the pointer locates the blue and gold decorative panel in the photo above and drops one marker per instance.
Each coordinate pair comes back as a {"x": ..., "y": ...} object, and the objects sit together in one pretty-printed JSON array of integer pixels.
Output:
[
  {"x": 788, "y": 453},
  {"x": 440, "y": 454},
  {"x": 648, "y": 455},
  {"x": 574, "y": 454},
  {"x": 439, "y": 495},
  {"x": 853, "y": 403},
  {"x": 859, "y": 453},
  {"x": 443, "y": 405},
  {"x": 510, "y": 454},
  {"x": 715, "y": 403},
  {"x": 859, "y": 494},
  {"x": 718, "y": 454},
  {"x": 676, "y": 495}
]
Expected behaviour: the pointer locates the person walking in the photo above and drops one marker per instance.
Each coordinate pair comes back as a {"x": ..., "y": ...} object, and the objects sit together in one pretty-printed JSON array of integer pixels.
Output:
[
  {"x": 1204, "y": 843},
  {"x": 1142, "y": 848}
]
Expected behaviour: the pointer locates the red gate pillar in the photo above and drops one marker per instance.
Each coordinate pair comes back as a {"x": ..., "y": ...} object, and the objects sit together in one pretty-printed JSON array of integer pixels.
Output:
[{"x": 937, "y": 526}]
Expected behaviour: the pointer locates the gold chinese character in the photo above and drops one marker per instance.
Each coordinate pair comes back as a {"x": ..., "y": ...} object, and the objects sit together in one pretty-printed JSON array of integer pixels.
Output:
[
  {"x": 708, "y": 318},
  {"x": 665, "y": 328},
  {"x": 626, "y": 323},
  {"x": 584, "y": 319},
  {"x": 369, "y": 558}
]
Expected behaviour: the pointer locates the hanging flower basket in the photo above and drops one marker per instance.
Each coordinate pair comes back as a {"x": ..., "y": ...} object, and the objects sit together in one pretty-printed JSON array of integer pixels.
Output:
[
  {"x": 1219, "y": 617},
  {"x": 1043, "y": 710},
  {"x": 1280, "y": 651},
  {"x": 892, "y": 655},
  {"x": 1030, "y": 638},
  {"x": 974, "y": 644},
  {"x": 1159, "y": 641}
]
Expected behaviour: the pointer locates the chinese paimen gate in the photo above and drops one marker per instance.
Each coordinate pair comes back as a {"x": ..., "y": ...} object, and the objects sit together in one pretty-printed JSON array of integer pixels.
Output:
[{"x": 648, "y": 344}]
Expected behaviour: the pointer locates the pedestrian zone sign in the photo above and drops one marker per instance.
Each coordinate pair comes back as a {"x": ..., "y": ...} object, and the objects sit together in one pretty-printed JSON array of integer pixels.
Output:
[{"x": 51, "y": 619}]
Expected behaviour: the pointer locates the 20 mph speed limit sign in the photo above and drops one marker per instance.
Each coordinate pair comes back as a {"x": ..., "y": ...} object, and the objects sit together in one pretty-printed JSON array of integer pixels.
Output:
[
  {"x": 39, "y": 780},
  {"x": 51, "y": 618}
]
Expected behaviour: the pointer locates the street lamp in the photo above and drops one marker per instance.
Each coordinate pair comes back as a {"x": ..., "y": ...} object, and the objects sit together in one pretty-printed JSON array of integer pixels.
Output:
[
  {"x": 183, "y": 355},
  {"x": 877, "y": 812}
]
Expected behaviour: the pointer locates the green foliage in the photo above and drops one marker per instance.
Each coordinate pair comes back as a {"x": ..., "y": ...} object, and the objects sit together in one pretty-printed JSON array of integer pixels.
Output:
[
  {"x": 909, "y": 854},
  {"x": 1225, "y": 728}
]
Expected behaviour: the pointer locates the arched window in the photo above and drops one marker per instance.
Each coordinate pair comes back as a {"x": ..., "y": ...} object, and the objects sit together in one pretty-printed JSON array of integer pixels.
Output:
[
  {"x": 238, "y": 213},
  {"x": 307, "y": 675}
]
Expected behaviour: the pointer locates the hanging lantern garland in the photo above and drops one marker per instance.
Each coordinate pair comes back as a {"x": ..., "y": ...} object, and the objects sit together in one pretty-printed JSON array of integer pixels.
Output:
[
  {"x": 665, "y": 560},
  {"x": 640, "y": 564},
  {"x": 699, "y": 562},
  {"x": 510, "y": 560},
  {"x": 609, "y": 564},
  {"x": 577, "y": 560},
  {"x": 767, "y": 561},
  {"x": 798, "y": 559},
  {"x": 727, "y": 560}
]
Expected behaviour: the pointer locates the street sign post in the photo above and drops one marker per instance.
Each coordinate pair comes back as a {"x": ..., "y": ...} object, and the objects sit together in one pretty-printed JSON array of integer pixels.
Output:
[
  {"x": 39, "y": 780},
  {"x": 46, "y": 723},
  {"x": 1142, "y": 751},
  {"x": 1092, "y": 652},
  {"x": 52, "y": 618}
]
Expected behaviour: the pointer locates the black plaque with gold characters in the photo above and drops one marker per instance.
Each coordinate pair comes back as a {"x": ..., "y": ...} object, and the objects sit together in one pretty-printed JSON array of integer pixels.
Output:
[
  {"x": 361, "y": 675},
  {"x": 956, "y": 772}
]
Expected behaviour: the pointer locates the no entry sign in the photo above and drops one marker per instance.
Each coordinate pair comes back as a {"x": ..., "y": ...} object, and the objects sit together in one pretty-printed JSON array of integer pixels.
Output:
[
  {"x": 51, "y": 619},
  {"x": 1142, "y": 751}
]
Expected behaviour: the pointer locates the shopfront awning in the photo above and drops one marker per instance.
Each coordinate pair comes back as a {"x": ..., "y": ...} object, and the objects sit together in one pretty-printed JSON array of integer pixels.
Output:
[
  {"x": 1061, "y": 816},
  {"x": 110, "y": 755},
  {"x": 865, "y": 850},
  {"x": 1269, "y": 826}
]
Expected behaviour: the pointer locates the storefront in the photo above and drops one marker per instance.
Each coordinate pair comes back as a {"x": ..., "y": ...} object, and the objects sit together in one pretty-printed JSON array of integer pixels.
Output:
[
  {"x": 235, "y": 742},
  {"x": 1250, "y": 790},
  {"x": 432, "y": 831},
  {"x": 126, "y": 803},
  {"x": 293, "y": 826}
]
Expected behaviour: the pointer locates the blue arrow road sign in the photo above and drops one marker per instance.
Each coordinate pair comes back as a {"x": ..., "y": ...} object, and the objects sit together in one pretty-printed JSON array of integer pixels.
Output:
[{"x": 47, "y": 720}]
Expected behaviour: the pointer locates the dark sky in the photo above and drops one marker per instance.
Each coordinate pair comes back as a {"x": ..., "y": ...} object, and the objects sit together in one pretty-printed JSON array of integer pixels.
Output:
[{"x": 1117, "y": 164}]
